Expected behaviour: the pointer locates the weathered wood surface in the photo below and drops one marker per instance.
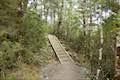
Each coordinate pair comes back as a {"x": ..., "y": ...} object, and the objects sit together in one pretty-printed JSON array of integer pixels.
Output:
[{"x": 61, "y": 53}]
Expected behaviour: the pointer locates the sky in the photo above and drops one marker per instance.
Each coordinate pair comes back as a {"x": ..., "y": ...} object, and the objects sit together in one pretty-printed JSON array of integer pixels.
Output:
[{"x": 97, "y": 18}]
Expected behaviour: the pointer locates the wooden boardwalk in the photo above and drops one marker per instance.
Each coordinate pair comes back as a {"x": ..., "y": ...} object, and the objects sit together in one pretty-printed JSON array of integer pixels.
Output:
[
  {"x": 67, "y": 70},
  {"x": 61, "y": 53}
]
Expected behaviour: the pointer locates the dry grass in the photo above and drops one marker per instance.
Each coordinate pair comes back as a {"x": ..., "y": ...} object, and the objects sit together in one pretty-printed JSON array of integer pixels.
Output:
[
  {"x": 83, "y": 61},
  {"x": 26, "y": 72}
]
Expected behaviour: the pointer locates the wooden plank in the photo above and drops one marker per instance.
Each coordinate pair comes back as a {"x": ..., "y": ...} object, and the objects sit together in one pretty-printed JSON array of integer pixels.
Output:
[{"x": 61, "y": 53}]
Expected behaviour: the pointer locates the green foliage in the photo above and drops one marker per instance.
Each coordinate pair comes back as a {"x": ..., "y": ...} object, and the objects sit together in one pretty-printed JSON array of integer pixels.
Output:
[
  {"x": 21, "y": 39},
  {"x": 114, "y": 5},
  {"x": 8, "y": 11},
  {"x": 9, "y": 54},
  {"x": 35, "y": 32},
  {"x": 11, "y": 78}
]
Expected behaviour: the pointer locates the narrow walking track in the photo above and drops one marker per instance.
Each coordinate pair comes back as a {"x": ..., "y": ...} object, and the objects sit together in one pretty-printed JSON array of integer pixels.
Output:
[
  {"x": 67, "y": 70},
  {"x": 61, "y": 53}
]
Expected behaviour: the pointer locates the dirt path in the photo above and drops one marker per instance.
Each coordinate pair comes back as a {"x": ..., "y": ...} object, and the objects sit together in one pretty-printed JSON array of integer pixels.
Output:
[{"x": 65, "y": 72}]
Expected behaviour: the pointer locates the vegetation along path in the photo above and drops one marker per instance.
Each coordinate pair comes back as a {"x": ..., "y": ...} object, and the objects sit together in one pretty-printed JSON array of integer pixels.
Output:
[{"x": 67, "y": 70}]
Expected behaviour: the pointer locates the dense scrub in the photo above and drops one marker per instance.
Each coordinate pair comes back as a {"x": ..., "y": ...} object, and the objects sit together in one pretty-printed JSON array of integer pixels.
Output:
[{"x": 22, "y": 36}]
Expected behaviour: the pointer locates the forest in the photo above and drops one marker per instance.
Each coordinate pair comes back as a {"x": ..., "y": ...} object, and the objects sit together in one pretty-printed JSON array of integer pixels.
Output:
[{"x": 90, "y": 28}]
